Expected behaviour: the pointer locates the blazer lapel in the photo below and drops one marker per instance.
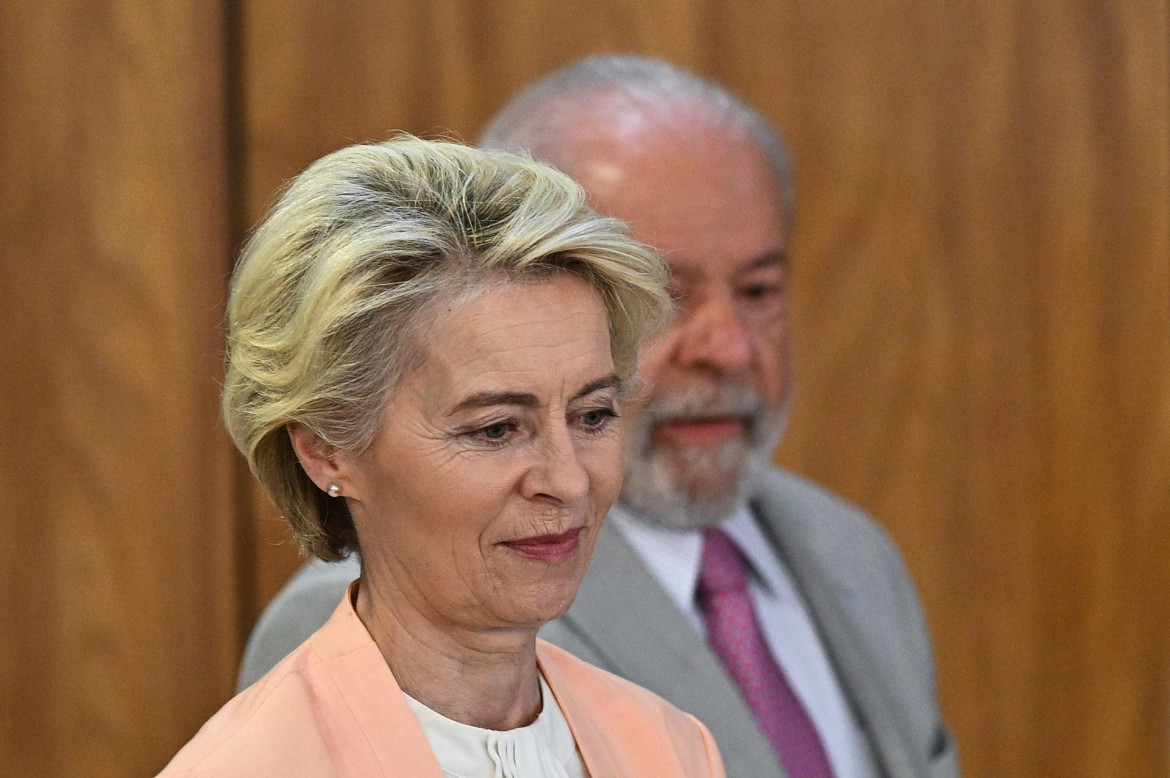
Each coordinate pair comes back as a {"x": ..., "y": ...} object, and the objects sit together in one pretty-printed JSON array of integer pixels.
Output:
[
  {"x": 601, "y": 757},
  {"x": 635, "y": 628},
  {"x": 373, "y": 731}
]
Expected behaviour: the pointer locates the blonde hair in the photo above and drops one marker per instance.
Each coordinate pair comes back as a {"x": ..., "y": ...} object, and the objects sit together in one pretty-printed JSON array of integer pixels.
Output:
[{"x": 330, "y": 293}]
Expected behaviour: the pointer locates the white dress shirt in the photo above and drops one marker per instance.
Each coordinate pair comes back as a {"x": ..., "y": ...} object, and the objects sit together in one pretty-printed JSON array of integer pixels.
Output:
[{"x": 673, "y": 559}]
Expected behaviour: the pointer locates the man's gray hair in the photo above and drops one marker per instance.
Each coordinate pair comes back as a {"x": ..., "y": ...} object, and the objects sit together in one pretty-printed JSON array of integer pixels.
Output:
[{"x": 537, "y": 121}]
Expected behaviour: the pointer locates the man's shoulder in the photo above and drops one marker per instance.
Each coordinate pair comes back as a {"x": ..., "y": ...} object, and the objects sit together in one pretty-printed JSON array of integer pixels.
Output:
[
  {"x": 792, "y": 503},
  {"x": 303, "y": 605},
  {"x": 317, "y": 574},
  {"x": 819, "y": 533},
  {"x": 784, "y": 487}
]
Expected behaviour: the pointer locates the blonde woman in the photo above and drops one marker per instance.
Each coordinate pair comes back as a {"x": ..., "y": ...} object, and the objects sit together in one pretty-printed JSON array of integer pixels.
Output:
[{"x": 429, "y": 351}]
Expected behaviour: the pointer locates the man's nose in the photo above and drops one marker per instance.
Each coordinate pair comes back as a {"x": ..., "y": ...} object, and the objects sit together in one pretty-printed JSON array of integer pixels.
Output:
[{"x": 714, "y": 335}]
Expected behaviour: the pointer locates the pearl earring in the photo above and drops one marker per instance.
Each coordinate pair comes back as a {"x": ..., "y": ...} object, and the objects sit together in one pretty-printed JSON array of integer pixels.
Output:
[{"x": 333, "y": 490}]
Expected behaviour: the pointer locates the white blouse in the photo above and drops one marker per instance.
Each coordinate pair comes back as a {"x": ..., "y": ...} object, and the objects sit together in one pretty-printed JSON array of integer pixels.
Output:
[{"x": 543, "y": 748}]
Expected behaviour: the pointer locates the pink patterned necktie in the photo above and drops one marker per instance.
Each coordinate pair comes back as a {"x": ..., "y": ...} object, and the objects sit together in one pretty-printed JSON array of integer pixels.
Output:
[{"x": 734, "y": 634}]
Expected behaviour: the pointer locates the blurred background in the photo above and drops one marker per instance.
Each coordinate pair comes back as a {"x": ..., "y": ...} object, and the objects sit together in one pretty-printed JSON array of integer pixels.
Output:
[{"x": 982, "y": 321}]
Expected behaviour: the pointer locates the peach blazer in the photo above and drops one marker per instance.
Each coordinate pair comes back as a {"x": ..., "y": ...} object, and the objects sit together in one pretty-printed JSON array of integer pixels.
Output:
[{"x": 332, "y": 707}]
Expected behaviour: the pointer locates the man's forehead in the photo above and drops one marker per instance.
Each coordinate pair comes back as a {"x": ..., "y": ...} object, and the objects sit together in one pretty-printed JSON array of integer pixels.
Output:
[
  {"x": 692, "y": 205},
  {"x": 698, "y": 189},
  {"x": 588, "y": 122}
]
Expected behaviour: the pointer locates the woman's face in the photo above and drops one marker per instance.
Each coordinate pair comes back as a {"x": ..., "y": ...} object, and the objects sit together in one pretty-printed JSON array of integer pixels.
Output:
[{"x": 480, "y": 499}]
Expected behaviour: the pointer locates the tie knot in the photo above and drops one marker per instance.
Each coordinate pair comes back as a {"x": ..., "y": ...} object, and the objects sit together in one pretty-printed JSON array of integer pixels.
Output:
[{"x": 721, "y": 566}]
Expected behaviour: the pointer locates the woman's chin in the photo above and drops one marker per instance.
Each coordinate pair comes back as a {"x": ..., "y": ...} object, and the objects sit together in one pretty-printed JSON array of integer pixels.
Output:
[{"x": 537, "y": 605}]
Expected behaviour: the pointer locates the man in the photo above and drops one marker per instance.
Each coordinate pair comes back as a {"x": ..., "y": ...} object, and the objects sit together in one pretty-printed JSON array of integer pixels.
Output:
[{"x": 779, "y": 616}]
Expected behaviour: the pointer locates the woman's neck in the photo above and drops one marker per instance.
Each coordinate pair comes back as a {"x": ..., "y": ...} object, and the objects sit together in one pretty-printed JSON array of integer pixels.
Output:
[{"x": 487, "y": 679}]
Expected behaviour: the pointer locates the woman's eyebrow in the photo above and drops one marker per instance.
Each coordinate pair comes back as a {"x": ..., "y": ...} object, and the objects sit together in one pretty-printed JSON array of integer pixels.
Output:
[
  {"x": 608, "y": 382},
  {"x": 489, "y": 399},
  {"x": 528, "y": 399}
]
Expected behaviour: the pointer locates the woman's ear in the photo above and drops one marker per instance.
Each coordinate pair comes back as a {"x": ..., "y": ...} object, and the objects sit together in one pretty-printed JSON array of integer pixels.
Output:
[{"x": 318, "y": 458}]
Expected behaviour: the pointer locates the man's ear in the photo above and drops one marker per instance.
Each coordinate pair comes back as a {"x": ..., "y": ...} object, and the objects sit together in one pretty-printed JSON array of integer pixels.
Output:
[{"x": 318, "y": 458}]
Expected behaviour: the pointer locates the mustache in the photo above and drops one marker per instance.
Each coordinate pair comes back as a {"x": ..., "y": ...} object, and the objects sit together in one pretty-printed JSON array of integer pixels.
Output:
[{"x": 723, "y": 399}]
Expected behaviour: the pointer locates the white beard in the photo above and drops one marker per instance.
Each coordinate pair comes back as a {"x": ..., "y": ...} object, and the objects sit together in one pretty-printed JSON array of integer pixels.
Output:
[{"x": 691, "y": 488}]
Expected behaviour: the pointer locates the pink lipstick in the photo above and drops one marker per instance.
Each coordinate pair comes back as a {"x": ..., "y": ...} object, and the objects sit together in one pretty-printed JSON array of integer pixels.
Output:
[{"x": 548, "y": 548}]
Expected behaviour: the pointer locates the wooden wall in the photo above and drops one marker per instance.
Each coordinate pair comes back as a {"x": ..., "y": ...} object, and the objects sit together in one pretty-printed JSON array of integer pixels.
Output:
[
  {"x": 119, "y": 601},
  {"x": 982, "y": 317}
]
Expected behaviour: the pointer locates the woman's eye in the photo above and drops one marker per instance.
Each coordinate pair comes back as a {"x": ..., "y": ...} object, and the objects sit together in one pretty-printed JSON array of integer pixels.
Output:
[
  {"x": 597, "y": 419},
  {"x": 495, "y": 431}
]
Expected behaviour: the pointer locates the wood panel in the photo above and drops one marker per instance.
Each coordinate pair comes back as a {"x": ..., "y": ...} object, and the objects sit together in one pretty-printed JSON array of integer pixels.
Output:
[
  {"x": 117, "y": 577},
  {"x": 983, "y": 326}
]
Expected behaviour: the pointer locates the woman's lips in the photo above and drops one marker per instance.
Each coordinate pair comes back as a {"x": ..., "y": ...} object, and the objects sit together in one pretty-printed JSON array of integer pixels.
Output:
[
  {"x": 548, "y": 548},
  {"x": 713, "y": 431}
]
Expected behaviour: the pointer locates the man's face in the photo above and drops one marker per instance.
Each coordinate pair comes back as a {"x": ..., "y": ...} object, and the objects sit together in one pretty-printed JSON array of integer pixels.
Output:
[{"x": 718, "y": 378}]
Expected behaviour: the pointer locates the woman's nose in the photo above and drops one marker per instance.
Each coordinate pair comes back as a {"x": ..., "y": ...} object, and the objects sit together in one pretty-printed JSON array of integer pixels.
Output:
[{"x": 559, "y": 474}]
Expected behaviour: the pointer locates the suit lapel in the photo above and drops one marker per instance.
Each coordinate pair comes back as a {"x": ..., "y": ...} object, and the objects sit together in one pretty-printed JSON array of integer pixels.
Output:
[
  {"x": 830, "y": 601},
  {"x": 632, "y": 624}
]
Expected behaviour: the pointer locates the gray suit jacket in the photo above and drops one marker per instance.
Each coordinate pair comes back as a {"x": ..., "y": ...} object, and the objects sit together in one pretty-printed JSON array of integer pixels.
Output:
[{"x": 852, "y": 579}]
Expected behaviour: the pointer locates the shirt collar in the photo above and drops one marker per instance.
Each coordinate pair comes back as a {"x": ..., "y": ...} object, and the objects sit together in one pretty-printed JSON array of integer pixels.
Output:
[{"x": 673, "y": 556}]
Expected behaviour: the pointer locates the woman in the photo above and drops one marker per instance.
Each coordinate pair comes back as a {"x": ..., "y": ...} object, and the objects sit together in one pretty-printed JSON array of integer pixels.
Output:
[{"x": 429, "y": 347}]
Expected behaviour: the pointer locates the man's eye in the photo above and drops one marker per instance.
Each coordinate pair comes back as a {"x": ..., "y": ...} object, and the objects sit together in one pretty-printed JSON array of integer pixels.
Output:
[{"x": 760, "y": 291}]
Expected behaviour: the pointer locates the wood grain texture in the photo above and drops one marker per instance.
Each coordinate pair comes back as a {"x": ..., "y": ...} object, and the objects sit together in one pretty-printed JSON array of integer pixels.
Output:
[
  {"x": 982, "y": 304},
  {"x": 118, "y": 580}
]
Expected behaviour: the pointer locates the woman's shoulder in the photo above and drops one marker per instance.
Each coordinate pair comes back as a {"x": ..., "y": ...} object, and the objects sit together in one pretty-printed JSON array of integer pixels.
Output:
[
  {"x": 260, "y": 729},
  {"x": 331, "y": 707}
]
